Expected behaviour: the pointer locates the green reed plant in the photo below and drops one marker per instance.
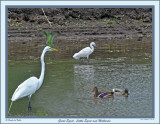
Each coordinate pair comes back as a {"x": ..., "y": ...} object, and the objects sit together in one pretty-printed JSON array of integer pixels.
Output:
[{"x": 50, "y": 38}]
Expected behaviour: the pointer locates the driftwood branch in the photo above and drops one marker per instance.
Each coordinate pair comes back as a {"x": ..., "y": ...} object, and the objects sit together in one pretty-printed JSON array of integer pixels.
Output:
[{"x": 46, "y": 17}]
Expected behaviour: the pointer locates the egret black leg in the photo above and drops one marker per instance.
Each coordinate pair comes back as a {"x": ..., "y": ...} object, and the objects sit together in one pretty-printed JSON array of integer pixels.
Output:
[
  {"x": 87, "y": 61},
  {"x": 29, "y": 104},
  {"x": 81, "y": 60}
]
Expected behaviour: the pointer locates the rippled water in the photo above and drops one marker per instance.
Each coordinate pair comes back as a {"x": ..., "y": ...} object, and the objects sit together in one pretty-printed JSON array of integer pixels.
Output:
[{"x": 68, "y": 84}]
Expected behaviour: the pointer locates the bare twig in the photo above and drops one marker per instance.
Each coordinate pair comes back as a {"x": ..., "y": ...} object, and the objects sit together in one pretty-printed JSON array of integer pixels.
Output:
[
  {"x": 10, "y": 107},
  {"x": 46, "y": 17}
]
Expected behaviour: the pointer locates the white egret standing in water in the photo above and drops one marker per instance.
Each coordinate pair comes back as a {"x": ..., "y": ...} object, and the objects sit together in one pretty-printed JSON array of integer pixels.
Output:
[
  {"x": 85, "y": 52},
  {"x": 32, "y": 84}
]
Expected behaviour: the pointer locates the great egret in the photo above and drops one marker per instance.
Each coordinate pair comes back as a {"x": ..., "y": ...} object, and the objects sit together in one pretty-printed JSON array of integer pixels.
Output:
[
  {"x": 85, "y": 52},
  {"x": 121, "y": 92},
  {"x": 32, "y": 84}
]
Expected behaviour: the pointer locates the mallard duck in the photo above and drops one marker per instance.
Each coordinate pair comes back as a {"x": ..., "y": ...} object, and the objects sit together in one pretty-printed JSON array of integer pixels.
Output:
[
  {"x": 123, "y": 92},
  {"x": 102, "y": 94}
]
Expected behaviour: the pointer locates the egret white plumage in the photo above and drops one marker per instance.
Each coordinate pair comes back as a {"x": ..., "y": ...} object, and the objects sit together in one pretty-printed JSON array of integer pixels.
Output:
[
  {"x": 85, "y": 52},
  {"x": 32, "y": 84}
]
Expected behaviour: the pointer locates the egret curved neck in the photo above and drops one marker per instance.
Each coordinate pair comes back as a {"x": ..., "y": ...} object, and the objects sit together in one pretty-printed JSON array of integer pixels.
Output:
[
  {"x": 42, "y": 67},
  {"x": 92, "y": 48}
]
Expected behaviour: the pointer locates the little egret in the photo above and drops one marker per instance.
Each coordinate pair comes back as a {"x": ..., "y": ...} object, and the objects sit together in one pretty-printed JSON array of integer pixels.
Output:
[
  {"x": 85, "y": 52},
  {"x": 32, "y": 84}
]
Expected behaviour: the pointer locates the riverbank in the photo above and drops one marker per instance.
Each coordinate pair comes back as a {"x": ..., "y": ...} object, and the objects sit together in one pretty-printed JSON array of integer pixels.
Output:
[{"x": 109, "y": 28}]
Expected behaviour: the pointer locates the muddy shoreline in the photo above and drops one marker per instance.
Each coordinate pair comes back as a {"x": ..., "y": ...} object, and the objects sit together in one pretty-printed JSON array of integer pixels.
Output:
[{"x": 76, "y": 28}]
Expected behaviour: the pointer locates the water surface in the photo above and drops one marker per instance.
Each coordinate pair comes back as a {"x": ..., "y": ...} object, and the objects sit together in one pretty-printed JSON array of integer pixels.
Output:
[{"x": 67, "y": 87}]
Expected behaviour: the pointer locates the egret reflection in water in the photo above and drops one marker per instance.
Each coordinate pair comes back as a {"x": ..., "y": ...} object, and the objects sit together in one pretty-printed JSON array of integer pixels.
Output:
[
  {"x": 84, "y": 79},
  {"x": 68, "y": 86}
]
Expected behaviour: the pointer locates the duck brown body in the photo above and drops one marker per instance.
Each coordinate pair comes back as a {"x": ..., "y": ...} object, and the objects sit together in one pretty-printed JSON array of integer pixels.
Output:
[{"x": 98, "y": 93}]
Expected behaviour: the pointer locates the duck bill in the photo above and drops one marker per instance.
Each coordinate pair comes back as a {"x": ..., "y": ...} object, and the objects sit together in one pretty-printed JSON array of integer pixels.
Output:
[
  {"x": 126, "y": 94},
  {"x": 54, "y": 49}
]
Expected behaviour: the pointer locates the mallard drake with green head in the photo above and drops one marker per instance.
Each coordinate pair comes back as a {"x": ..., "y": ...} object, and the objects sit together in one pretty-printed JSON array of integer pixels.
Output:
[{"x": 121, "y": 92}]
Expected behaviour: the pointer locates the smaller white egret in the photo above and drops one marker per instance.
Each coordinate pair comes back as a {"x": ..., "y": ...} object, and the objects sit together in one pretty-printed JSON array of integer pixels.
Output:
[
  {"x": 32, "y": 84},
  {"x": 85, "y": 52}
]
